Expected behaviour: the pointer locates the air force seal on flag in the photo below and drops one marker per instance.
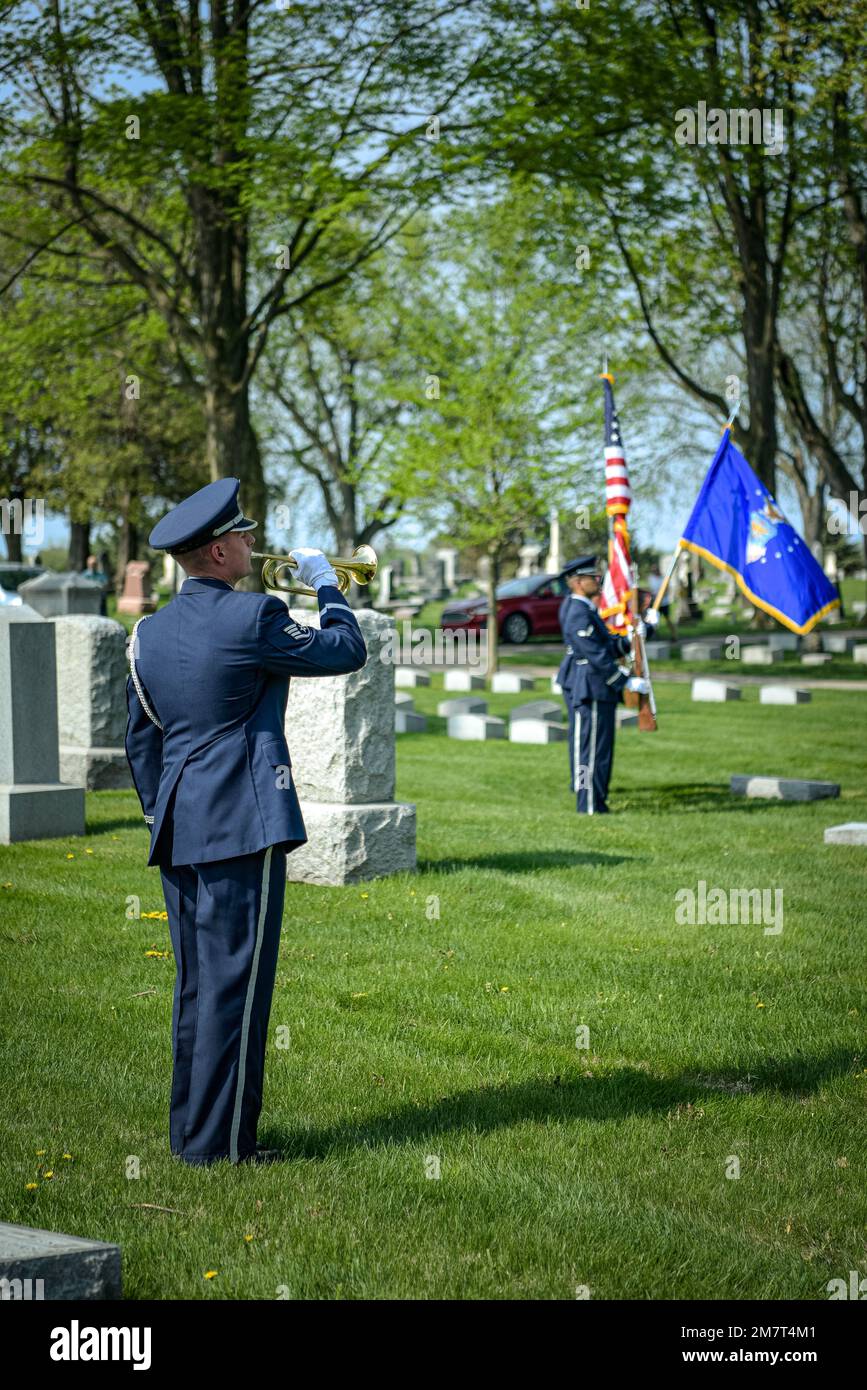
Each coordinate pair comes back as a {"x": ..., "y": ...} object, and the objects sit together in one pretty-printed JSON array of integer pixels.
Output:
[
  {"x": 296, "y": 630},
  {"x": 763, "y": 529}
]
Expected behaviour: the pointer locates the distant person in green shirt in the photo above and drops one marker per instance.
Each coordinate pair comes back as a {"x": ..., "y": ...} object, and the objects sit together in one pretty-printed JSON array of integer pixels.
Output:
[{"x": 93, "y": 571}]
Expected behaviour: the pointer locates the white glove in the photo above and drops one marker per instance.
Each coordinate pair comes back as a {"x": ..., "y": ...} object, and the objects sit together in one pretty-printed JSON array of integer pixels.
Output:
[
  {"x": 638, "y": 684},
  {"x": 638, "y": 629},
  {"x": 651, "y": 618},
  {"x": 312, "y": 568}
]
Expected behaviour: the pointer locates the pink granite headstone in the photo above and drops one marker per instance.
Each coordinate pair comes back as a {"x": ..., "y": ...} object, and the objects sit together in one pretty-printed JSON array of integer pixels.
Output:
[{"x": 134, "y": 599}]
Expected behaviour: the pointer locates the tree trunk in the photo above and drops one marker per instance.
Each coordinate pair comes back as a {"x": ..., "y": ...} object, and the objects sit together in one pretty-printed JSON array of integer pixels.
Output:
[
  {"x": 759, "y": 335},
  {"x": 13, "y": 536},
  {"x": 491, "y": 586},
  {"x": 79, "y": 545},
  {"x": 232, "y": 451}
]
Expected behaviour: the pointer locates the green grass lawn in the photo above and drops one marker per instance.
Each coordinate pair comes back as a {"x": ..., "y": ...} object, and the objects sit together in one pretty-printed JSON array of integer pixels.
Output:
[{"x": 432, "y": 1018}]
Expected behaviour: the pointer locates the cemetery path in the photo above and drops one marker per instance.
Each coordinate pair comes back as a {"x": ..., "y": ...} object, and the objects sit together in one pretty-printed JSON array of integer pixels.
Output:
[{"x": 684, "y": 677}]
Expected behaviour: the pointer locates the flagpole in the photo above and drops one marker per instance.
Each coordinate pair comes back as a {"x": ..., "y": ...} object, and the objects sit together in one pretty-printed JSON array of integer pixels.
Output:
[
  {"x": 665, "y": 583},
  {"x": 657, "y": 600}
]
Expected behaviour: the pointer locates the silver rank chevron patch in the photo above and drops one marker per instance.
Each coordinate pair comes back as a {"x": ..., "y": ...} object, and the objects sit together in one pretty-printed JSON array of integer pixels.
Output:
[{"x": 296, "y": 630}]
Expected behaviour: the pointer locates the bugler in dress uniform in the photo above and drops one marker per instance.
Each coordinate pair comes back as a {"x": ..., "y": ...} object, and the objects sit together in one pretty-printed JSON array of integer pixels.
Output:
[
  {"x": 591, "y": 679},
  {"x": 209, "y": 681}
]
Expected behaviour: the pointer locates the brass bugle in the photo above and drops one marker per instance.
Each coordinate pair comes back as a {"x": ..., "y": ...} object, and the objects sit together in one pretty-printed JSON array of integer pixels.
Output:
[{"x": 360, "y": 566}]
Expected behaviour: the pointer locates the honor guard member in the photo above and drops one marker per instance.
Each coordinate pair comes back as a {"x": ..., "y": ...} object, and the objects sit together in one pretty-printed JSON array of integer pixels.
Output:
[
  {"x": 591, "y": 679},
  {"x": 205, "y": 743}
]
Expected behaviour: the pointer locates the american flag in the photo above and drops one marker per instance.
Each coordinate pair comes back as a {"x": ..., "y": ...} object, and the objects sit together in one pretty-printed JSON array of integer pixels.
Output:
[{"x": 617, "y": 588}]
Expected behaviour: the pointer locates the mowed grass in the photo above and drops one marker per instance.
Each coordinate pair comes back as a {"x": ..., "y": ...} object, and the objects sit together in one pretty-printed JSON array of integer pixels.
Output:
[{"x": 431, "y": 1023}]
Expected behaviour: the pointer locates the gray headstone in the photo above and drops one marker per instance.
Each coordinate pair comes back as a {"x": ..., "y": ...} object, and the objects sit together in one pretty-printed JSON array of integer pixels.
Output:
[
  {"x": 510, "y": 682},
  {"x": 469, "y": 704},
  {"x": 709, "y": 691},
  {"x": 56, "y": 595},
  {"x": 476, "y": 726},
  {"x": 854, "y": 832},
  {"x": 33, "y": 802},
  {"x": 783, "y": 641},
  {"x": 816, "y": 658},
  {"x": 859, "y": 652},
  {"x": 837, "y": 642},
  {"x": 91, "y": 701},
  {"x": 760, "y": 656},
  {"x": 658, "y": 651},
  {"x": 463, "y": 680},
  {"x": 536, "y": 731},
  {"x": 783, "y": 788},
  {"x": 783, "y": 695},
  {"x": 551, "y": 710},
  {"x": 701, "y": 651},
  {"x": 409, "y": 721},
  {"x": 403, "y": 697},
  {"x": 69, "y": 1267}
]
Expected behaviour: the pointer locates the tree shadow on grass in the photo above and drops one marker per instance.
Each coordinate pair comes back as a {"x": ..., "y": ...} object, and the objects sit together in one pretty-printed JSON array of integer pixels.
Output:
[
  {"x": 554, "y": 1100},
  {"x": 103, "y": 827},
  {"x": 523, "y": 861},
  {"x": 694, "y": 796}
]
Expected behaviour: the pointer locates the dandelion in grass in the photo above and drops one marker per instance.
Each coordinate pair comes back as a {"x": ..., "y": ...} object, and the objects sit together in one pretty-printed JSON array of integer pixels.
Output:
[{"x": 210, "y": 1274}]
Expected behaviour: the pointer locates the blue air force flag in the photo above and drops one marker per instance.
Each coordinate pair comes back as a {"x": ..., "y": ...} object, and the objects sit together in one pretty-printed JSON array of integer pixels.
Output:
[{"x": 740, "y": 528}]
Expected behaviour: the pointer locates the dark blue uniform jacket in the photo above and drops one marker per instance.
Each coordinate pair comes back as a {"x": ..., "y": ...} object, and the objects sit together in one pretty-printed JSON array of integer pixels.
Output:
[
  {"x": 214, "y": 668},
  {"x": 590, "y": 669}
]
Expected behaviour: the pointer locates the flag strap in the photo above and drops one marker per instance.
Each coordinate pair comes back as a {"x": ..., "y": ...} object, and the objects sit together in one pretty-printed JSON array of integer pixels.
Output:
[{"x": 664, "y": 585}]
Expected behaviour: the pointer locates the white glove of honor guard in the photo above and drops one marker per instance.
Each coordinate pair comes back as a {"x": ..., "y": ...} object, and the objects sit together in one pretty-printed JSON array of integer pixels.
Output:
[
  {"x": 651, "y": 617},
  {"x": 639, "y": 684},
  {"x": 312, "y": 568}
]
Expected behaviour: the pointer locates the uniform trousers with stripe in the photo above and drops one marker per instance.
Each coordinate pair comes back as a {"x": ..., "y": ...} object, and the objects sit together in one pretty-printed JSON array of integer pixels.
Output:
[
  {"x": 224, "y": 920},
  {"x": 591, "y": 752}
]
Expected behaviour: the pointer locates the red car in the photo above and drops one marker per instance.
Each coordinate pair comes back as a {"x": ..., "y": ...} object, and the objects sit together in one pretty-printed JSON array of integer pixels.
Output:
[{"x": 525, "y": 608}]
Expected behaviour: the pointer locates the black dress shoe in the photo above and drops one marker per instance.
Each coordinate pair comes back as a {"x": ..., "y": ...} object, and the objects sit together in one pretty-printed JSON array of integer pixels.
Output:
[{"x": 262, "y": 1156}]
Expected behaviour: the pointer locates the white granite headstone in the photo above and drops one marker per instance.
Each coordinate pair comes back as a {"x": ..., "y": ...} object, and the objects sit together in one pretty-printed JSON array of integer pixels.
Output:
[
  {"x": 463, "y": 680},
  {"x": 710, "y": 691},
  {"x": 92, "y": 672},
  {"x": 783, "y": 695},
  {"x": 510, "y": 682},
  {"x": 853, "y": 832},
  {"x": 476, "y": 727},
  {"x": 341, "y": 736}
]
